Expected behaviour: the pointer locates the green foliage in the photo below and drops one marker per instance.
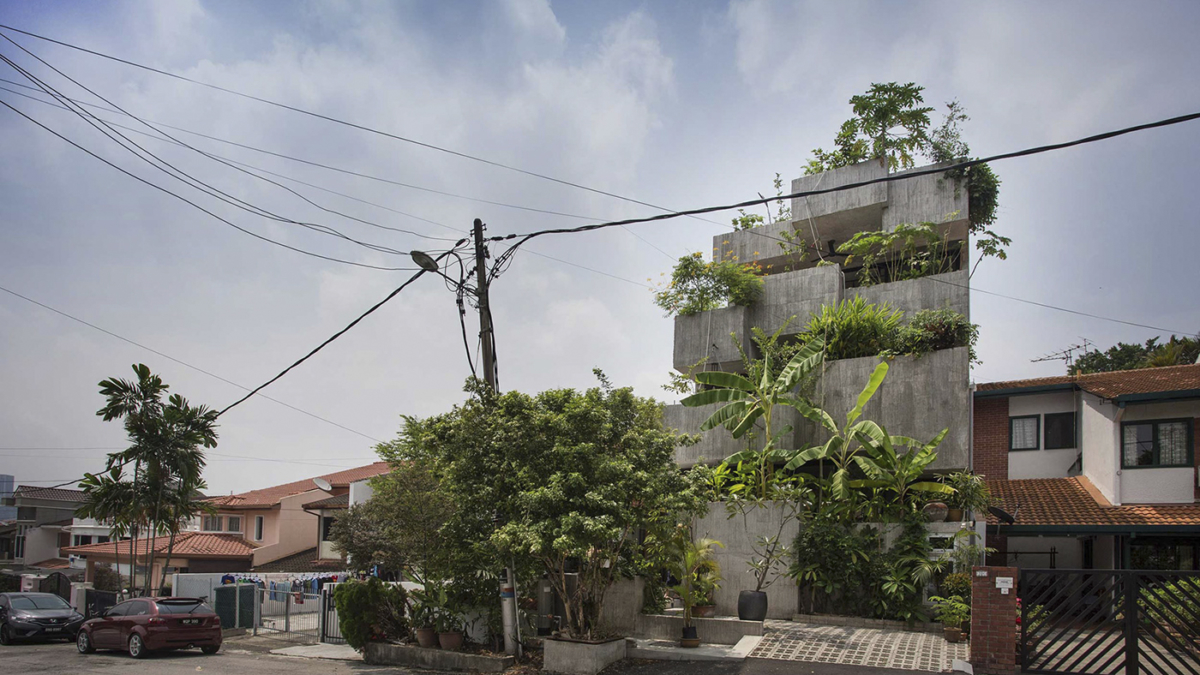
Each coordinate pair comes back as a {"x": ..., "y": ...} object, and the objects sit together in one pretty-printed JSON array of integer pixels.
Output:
[
  {"x": 951, "y": 611},
  {"x": 563, "y": 480},
  {"x": 964, "y": 556},
  {"x": 370, "y": 610},
  {"x": 957, "y": 583},
  {"x": 166, "y": 451},
  {"x": 696, "y": 568},
  {"x": 745, "y": 221},
  {"x": 10, "y": 583},
  {"x": 889, "y": 122},
  {"x": 854, "y": 328},
  {"x": 107, "y": 579},
  {"x": 971, "y": 492},
  {"x": 983, "y": 185},
  {"x": 1171, "y": 604},
  {"x": 836, "y": 566},
  {"x": 1177, "y": 351},
  {"x": 697, "y": 286},
  {"x": 908, "y": 252},
  {"x": 932, "y": 329}
]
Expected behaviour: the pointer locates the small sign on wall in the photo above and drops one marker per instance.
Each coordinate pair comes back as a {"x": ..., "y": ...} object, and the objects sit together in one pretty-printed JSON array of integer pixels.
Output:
[{"x": 1004, "y": 584}]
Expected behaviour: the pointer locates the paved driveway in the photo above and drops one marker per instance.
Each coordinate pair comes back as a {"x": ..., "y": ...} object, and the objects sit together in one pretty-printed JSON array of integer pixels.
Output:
[{"x": 872, "y": 647}]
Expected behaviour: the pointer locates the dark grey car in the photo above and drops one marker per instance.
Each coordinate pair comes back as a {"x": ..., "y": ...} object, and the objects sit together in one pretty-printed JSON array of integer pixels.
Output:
[{"x": 32, "y": 616}]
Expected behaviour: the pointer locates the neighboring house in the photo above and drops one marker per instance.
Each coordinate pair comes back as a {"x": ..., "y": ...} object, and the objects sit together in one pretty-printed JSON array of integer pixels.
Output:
[
  {"x": 1099, "y": 470},
  {"x": 327, "y": 555},
  {"x": 274, "y": 519},
  {"x": 45, "y": 525},
  {"x": 6, "y": 489},
  {"x": 193, "y": 552}
]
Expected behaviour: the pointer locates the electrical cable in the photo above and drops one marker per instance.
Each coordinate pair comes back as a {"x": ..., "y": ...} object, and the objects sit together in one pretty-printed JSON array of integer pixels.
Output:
[
  {"x": 201, "y": 208},
  {"x": 336, "y": 335},
  {"x": 891, "y": 178},
  {"x": 178, "y": 174},
  {"x": 352, "y": 125},
  {"x": 175, "y": 360}
]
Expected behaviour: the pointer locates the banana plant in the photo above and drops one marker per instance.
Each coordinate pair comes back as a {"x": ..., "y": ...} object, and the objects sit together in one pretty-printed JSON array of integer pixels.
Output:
[
  {"x": 845, "y": 442},
  {"x": 747, "y": 403},
  {"x": 897, "y": 472}
]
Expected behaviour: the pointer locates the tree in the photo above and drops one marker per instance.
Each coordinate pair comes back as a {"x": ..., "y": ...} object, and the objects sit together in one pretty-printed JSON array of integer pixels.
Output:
[
  {"x": 563, "y": 479},
  {"x": 165, "y": 438},
  {"x": 698, "y": 286},
  {"x": 890, "y": 123},
  {"x": 1177, "y": 351}
]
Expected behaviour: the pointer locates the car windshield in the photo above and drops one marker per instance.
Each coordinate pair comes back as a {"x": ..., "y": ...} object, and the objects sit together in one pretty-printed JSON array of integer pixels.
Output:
[
  {"x": 183, "y": 607},
  {"x": 38, "y": 602}
]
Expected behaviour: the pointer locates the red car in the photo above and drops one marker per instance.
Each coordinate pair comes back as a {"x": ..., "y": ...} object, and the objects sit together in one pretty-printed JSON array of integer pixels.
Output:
[{"x": 143, "y": 625}]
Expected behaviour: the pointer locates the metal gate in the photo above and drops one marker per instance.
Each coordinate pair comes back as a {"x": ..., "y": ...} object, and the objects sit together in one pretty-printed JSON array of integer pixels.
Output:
[
  {"x": 1110, "y": 622},
  {"x": 96, "y": 602},
  {"x": 287, "y": 614},
  {"x": 58, "y": 584},
  {"x": 331, "y": 629}
]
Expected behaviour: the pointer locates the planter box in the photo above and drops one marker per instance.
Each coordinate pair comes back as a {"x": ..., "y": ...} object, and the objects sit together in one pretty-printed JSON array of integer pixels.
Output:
[
  {"x": 382, "y": 653},
  {"x": 718, "y": 631},
  {"x": 581, "y": 658}
]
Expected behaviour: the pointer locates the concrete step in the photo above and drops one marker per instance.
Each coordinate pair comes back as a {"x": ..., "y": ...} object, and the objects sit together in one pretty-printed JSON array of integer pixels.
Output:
[{"x": 667, "y": 650}]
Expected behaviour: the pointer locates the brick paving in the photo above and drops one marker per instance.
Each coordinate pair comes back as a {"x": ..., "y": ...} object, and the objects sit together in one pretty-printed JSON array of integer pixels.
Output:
[{"x": 845, "y": 645}]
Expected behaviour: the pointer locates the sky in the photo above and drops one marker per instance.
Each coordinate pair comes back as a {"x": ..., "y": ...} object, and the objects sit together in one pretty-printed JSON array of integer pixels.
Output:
[{"x": 678, "y": 104}]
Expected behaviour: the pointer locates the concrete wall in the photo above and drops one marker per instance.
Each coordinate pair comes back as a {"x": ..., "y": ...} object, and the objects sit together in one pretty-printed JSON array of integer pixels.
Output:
[
  {"x": 798, "y": 294},
  {"x": 708, "y": 334},
  {"x": 932, "y": 198},
  {"x": 717, "y": 444},
  {"x": 941, "y": 290},
  {"x": 289, "y": 529},
  {"x": 622, "y": 609},
  {"x": 1158, "y": 486},
  {"x": 1098, "y": 434},
  {"x": 839, "y": 215},
  {"x": 739, "y": 535},
  {"x": 360, "y": 492},
  {"x": 41, "y": 543},
  {"x": 1042, "y": 463}
]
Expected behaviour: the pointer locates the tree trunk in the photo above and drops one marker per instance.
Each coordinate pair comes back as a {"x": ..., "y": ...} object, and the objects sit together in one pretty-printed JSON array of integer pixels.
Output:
[{"x": 167, "y": 562}]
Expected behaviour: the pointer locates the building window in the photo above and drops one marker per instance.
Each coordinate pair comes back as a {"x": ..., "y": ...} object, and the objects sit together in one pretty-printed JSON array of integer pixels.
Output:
[
  {"x": 211, "y": 524},
  {"x": 1023, "y": 432},
  {"x": 258, "y": 528},
  {"x": 101, "y": 539},
  {"x": 26, "y": 513},
  {"x": 1160, "y": 443},
  {"x": 234, "y": 524},
  {"x": 1060, "y": 430},
  {"x": 326, "y": 527},
  {"x": 82, "y": 540}
]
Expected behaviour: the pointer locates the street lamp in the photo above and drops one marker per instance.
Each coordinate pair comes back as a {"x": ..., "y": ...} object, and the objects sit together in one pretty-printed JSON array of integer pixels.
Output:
[{"x": 424, "y": 261}]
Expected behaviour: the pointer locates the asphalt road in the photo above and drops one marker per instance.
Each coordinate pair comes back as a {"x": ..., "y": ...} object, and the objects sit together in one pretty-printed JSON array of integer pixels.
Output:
[{"x": 246, "y": 657}]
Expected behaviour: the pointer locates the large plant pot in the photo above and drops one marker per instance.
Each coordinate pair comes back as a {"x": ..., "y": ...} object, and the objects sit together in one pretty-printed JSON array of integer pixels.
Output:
[
  {"x": 935, "y": 512},
  {"x": 752, "y": 605},
  {"x": 953, "y": 635},
  {"x": 689, "y": 639},
  {"x": 427, "y": 637},
  {"x": 704, "y": 611},
  {"x": 576, "y": 657},
  {"x": 954, "y": 515},
  {"x": 451, "y": 641}
]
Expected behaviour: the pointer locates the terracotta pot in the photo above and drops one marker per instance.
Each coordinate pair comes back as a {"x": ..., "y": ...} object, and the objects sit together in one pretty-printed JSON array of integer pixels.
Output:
[
  {"x": 953, "y": 635},
  {"x": 689, "y": 638},
  {"x": 954, "y": 515},
  {"x": 704, "y": 611},
  {"x": 935, "y": 512},
  {"x": 451, "y": 642},
  {"x": 427, "y": 637}
]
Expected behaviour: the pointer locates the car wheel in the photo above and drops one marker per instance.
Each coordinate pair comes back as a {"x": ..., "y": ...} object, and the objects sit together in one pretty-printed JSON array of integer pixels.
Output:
[
  {"x": 83, "y": 642},
  {"x": 211, "y": 649},
  {"x": 137, "y": 647},
  {"x": 5, "y": 636}
]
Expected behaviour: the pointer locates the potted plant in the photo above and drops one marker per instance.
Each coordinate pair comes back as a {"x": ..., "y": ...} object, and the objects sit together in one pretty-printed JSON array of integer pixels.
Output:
[
  {"x": 424, "y": 614},
  {"x": 951, "y": 612},
  {"x": 449, "y": 629},
  {"x": 971, "y": 493},
  {"x": 697, "y": 569}
]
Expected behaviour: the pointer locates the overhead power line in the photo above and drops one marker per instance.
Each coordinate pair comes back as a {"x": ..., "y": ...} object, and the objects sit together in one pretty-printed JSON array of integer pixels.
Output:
[
  {"x": 175, "y": 360},
  {"x": 201, "y": 208},
  {"x": 353, "y": 125},
  {"x": 336, "y": 335}
]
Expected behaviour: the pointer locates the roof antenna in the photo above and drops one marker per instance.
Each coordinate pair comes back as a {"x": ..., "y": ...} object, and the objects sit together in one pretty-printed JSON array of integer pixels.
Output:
[{"x": 1067, "y": 355}]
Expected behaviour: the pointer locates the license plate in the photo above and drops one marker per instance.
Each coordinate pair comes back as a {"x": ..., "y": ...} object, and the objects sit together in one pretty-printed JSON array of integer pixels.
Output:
[
  {"x": 56, "y": 629},
  {"x": 191, "y": 622}
]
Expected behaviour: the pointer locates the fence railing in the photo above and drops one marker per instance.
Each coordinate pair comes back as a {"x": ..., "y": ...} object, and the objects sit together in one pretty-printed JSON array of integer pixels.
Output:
[{"x": 296, "y": 615}]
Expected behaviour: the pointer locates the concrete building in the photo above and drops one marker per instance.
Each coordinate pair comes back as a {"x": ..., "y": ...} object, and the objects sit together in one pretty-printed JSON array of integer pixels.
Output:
[
  {"x": 45, "y": 524},
  {"x": 7, "y": 483},
  {"x": 920, "y": 397},
  {"x": 1099, "y": 470}
]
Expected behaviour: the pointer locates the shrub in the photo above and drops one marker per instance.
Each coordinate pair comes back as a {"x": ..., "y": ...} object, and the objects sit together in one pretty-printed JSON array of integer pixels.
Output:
[
  {"x": 932, "y": 329},
  {"x": 697, "y": 286},
  {"x": 107, "y": 579},
  {"x": 854, "y": 328},
  {"x": 958, "y": 583},
  {"x": 951, "y": 611},
  {"x": 836, "y": 567},
  {"x": 370, "y": 610}
]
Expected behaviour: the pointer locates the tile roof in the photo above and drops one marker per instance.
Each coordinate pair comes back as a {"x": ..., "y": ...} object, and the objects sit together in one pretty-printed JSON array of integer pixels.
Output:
[
  {"x": 187, "y": 545},
  {"x": 339, "y": 502},
  {"x": 304, "y": 561},
  {"x": 51, "y": 494},
  {"x": 268, "y": 497},
  {"x": 1075, "y": 502},
  {"x": 1114, "y": 384},
  {"x": 53, "y": 564}
]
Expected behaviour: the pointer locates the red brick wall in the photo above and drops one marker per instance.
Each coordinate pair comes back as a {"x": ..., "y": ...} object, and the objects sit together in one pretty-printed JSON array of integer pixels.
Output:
[
  {"x": 1196, "y": 454},
  {"x": 993, "y": 622},
  {"x": 990, "y": 444}
]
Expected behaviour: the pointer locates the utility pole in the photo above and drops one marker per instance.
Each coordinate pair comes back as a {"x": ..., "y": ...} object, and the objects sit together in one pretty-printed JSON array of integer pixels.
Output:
[{"x": 508, "y": 580}]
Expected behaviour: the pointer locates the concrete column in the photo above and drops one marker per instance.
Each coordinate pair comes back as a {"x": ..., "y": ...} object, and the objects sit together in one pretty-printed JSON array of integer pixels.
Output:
[
  {"x": 89, "y": 574},
  {"x": 994, "y": 620}
]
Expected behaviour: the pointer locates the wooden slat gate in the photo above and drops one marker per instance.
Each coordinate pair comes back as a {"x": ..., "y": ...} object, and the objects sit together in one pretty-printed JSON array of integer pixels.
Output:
[{"x": 1110, "y": 622}]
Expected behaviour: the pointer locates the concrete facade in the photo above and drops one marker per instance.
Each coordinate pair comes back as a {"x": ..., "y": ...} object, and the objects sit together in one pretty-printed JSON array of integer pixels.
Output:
[{"x": 738, "y": 535}]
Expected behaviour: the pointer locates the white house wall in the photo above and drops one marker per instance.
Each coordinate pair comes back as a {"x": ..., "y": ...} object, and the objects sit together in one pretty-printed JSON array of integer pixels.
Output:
[
  {"x": 360, "y": 492},
  {"x": 1099, "y": 429},
  {"x": 1042, "y": 463}
]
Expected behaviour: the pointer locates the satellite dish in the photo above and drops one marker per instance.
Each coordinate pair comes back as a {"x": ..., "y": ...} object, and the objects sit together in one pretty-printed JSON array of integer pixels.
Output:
[
  {"x": 323, "y": 484},
  {"x": 1002, "y": 515}
]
